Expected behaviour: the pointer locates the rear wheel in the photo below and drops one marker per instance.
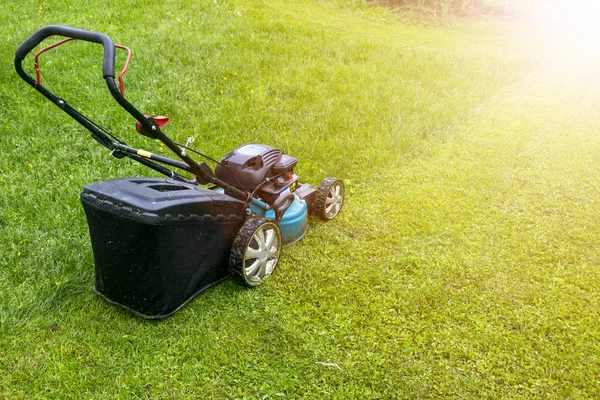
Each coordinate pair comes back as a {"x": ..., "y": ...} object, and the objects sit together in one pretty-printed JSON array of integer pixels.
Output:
[
  {"x": 255, "y": 251},
  {"x": 329, "y": 199}
]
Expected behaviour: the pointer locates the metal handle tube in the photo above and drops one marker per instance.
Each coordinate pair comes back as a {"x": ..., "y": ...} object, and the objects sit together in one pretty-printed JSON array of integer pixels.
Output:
[{"x": 151, "y": 156}]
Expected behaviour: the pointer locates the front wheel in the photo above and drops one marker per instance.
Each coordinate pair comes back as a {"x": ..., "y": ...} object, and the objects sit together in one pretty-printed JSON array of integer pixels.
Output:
[
  {"x": 255, "y": 251},
  {"x": 329, "y": 199}
]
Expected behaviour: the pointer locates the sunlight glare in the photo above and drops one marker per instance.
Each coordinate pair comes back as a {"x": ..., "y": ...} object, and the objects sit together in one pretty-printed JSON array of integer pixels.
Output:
[{"x": 568, "y": 31}]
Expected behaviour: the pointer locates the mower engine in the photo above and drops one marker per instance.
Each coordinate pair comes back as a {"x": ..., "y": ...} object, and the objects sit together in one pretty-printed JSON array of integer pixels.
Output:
[{"x": 259, "y": 169}]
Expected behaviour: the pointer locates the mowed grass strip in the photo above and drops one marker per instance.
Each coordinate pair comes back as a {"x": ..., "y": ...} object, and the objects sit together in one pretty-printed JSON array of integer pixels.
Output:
[
  {"x": 490, "y": 268},
  {"x": 446, "y": 275}
]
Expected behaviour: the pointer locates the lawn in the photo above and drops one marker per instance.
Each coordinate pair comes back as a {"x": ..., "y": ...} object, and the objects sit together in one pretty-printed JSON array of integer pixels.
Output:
[{"x": 464, "y": 264}]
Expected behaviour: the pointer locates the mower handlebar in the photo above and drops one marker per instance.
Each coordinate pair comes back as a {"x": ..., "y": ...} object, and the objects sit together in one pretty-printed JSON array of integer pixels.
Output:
[
  {"x": 108, "y": 65},
  {"x": 202, "y": 171}
]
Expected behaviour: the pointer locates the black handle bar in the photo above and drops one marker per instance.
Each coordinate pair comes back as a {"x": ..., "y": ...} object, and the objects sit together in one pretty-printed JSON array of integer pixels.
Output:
[
  {"x": 108, "y": 65},
  {"x": 202, "y": 171}
]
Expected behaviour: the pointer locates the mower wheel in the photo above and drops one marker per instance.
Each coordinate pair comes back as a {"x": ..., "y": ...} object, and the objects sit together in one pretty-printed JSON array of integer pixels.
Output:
[
  {"x": 255, "y": 251},
  {"x": 329, "y": 199}
]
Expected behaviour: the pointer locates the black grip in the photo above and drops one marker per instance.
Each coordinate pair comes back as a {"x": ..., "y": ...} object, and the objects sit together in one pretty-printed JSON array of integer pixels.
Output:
[{"x": 108, "y": 65}]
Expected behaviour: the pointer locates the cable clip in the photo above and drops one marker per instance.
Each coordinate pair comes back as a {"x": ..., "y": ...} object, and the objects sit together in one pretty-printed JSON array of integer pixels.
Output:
[{"x": 189, "y": 141}]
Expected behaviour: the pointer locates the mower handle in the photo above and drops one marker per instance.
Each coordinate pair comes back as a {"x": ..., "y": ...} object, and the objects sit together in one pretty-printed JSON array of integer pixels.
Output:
[
  {"x": 108, "y": 65},
  {"x": 202, "y": 171}
]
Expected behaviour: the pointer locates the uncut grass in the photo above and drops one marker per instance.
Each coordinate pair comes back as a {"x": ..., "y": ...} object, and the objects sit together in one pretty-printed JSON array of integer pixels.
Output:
[{"x": 345, "y": 92}]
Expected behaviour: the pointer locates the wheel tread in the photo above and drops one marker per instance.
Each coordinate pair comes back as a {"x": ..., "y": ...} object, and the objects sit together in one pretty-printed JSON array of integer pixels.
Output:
[
  {"x": 319, "y": 204},
  {"x": 238, "y": 249}
]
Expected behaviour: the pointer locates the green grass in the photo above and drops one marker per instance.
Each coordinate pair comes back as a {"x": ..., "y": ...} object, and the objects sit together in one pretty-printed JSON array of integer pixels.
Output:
[{"x": 464, "y": 263}]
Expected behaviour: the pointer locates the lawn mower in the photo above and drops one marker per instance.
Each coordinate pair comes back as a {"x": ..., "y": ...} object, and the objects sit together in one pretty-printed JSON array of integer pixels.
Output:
[{"x": 158, "y": 242}]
